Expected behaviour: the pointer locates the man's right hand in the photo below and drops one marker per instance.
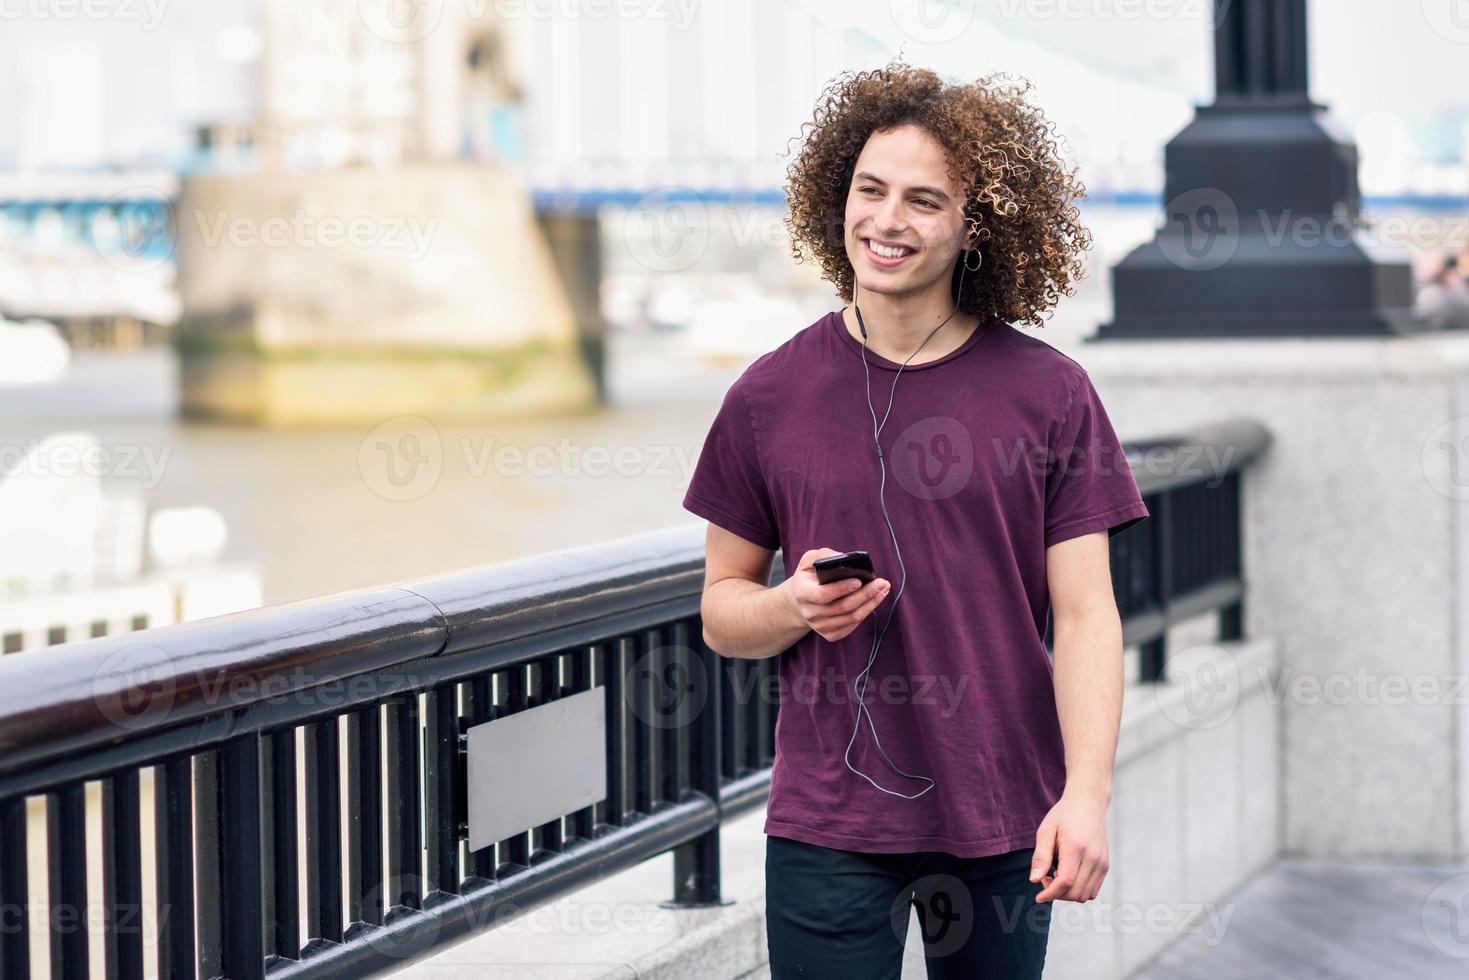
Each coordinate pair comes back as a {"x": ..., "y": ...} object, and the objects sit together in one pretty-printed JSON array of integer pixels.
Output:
[{"x": 832, "y": 610}]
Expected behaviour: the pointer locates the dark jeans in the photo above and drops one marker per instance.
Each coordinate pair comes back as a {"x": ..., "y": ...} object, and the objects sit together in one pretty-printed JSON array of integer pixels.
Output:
[{"x": 844, "y": 914}]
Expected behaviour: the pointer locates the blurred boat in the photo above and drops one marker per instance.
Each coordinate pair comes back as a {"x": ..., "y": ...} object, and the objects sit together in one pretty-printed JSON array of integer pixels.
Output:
[
  {"x": 726, "y": 331},
  {"x": 84, "y": 558},
  {"x": 32, "y": 352}
]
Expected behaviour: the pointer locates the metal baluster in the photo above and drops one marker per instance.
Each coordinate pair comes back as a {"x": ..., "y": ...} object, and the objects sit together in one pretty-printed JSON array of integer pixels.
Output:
[
  {"x": 66, "y": 834},
  {"x": 173, "y": 845},
  {"x": 282, "y": 871},
  {"x": 696, "y": 870},
  {"x": 242, "y": 899},
  {"x": 365, "y": 892},
  {"x": 514, "y": 850},
  {"x": 122, "y": 877},
  {"x": 549, "y": 836},
  {"x": 582, "y": 663},
  {"x": 323, "y": 832},
  {"x": 440, "y": 781},
  {"x": 478, "y": 707},
  {"x": 15, "y": 949},
  {"x": 207, "y": 873},
  {"x": 405, "y": 850}
]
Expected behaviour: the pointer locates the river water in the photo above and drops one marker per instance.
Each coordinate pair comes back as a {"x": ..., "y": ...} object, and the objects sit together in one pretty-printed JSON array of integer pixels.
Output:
[
  {"x": 322, "y": 511},
  {"x": 327, "y": 510}
]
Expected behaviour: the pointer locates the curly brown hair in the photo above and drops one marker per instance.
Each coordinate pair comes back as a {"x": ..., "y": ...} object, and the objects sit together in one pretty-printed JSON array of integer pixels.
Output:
[{"x": 1017, "y": 191}]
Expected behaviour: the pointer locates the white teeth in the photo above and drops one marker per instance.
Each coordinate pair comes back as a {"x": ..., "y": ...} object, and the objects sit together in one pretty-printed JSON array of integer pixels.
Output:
[{"x": 888, "y": 251}]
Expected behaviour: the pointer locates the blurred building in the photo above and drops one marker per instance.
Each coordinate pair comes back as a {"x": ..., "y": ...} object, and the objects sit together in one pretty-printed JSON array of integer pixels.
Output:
[
  {"x": 363, "y": 269},
  {"x": 593, "y": 109}
]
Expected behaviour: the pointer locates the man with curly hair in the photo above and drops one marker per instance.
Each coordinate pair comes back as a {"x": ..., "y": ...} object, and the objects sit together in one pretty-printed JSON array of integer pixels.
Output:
[{"x": 979, "y": 785}]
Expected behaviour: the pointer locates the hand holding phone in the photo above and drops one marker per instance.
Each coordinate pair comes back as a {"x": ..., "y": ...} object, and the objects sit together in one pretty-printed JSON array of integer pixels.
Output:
[{"x": 833, "y": 599}]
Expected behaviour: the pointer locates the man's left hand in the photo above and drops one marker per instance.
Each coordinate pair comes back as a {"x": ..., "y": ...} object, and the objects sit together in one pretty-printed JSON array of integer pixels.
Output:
[{"x": 1073, "y": 837}]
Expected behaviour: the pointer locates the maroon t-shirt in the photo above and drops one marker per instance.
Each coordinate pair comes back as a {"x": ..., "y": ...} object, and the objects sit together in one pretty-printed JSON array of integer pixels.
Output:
[{"x": 994, "y": 452}]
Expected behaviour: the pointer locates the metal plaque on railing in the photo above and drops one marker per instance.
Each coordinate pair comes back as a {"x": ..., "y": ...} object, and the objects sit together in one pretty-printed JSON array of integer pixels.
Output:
[{"x": 536, "y": 765}]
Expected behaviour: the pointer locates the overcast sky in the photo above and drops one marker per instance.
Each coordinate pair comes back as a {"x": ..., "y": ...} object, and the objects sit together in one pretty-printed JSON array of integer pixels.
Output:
[
  {"x": 1365, "y": 55},
  {"x": 1408, "y": 58}
]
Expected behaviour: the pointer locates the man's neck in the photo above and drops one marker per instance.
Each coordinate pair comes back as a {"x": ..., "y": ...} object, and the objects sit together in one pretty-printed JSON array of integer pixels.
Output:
[{"x": 895, "y": 329}]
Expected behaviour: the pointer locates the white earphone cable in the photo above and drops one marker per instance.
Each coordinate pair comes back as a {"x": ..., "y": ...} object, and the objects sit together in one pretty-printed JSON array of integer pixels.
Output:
[{"x": 865, "y": 673}]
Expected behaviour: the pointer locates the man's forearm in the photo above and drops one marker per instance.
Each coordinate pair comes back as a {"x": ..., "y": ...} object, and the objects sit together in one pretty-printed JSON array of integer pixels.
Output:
[
  {"x": 750, "y": 621},
  {"x": 1088, "y": 678}
]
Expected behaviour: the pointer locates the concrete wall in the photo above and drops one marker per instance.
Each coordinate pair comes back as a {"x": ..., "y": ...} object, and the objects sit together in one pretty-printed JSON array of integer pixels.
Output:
[{"x": 1356, "y": 550}]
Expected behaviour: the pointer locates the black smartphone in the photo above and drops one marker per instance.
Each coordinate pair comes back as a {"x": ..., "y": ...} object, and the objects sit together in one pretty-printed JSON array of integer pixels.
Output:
[{"x": 852, "y": 564}]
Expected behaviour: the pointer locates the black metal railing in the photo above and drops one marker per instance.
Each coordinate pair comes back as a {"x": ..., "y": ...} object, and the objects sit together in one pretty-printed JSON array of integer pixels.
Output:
[
  {"x": 1187, "y": 558},
  {"x": 193, "y": 752}
]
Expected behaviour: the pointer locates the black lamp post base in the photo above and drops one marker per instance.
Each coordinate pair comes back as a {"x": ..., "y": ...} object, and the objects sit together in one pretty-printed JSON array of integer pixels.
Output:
[{"x": 1262, "y": 234}]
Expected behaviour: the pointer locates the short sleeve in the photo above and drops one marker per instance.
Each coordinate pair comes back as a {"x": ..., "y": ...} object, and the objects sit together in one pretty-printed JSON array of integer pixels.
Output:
[
  {"x": 1089, "y": 482},
  {"x": 728, "y": 486}
]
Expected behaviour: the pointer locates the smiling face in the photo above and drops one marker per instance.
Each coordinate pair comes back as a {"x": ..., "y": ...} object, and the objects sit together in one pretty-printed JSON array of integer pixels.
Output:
[{"x": 904, "y": 225}]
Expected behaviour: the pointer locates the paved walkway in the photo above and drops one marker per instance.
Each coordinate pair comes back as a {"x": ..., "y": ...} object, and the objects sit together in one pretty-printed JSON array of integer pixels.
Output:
[
  {"x": 1299, "y": 920},
  {"x": 614, "y": 929},
  {"x": 1309, "y": 919}
]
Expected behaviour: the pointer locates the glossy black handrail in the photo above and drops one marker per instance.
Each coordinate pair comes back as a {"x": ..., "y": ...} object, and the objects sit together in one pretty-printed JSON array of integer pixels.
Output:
[
  {"x": 73, "y": 697},
  {"x": 1204, "y": 453},
  {"x": 53, "y": 706}
]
